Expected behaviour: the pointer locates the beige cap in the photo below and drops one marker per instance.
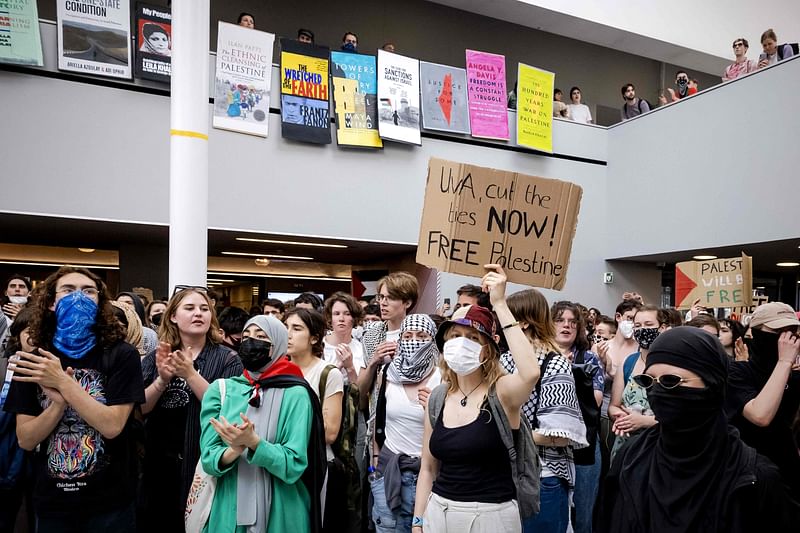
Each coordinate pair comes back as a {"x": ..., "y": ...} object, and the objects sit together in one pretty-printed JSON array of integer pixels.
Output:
[{"x": 774, "y": 315}]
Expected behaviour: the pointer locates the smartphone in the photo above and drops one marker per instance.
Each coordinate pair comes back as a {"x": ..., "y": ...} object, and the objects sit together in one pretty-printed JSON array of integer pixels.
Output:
[
  {"x": 447, "y": 301},
  {"x": 762, "y": 57}
]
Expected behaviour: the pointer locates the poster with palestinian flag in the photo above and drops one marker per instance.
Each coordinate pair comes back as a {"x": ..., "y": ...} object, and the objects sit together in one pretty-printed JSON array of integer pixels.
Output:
[{"x": 444, "y": 98}]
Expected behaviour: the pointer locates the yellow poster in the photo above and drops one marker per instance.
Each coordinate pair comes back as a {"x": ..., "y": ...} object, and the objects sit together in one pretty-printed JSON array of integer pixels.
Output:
[
  {"x": 535, "y": 108},
  {"x": 303, "y": 75}
]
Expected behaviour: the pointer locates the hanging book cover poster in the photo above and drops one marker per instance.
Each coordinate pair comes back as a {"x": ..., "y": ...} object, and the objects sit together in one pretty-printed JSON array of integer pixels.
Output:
[
  {"x": 486, "y": 89},
  {"x": 20, "y": 42},
  {"x": 355, "y": 99},
  {"x": 305, "y": 108},
  {"x": 95, "y": 37},
  {"x": 398, "y": 98},
  {"x": 242, "y": 80},
  {"x": 153, "y": 42},
  {"x": 444, "y": 98}
]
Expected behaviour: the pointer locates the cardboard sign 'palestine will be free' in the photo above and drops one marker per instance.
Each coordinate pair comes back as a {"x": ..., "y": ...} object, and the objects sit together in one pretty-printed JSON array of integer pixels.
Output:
[{"x": 475, "y": 215}]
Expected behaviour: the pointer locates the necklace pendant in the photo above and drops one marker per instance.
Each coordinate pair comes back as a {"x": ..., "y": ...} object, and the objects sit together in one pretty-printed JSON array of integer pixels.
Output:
[{"x": 464, "y": 401}]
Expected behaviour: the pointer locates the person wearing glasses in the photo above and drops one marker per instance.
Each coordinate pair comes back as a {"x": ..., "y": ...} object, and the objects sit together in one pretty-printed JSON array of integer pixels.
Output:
[
  {"x": 573, "y": 343},
  {"x": 74, "y": 397},
  {"x": 741, "y": 65},
  {"x": 259, "y": 437},
  {"x": 629, "y": 407},
  {"x": 176, "y": 375},
  {"x": 691, "y": 471}
]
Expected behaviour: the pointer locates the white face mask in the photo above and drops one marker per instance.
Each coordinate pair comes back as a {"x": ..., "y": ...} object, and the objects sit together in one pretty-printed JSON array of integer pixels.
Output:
[
  {"x": 626, "y": 328},
  {"x": 18, "y": 299},
  {"x": 463, "y": 355}
]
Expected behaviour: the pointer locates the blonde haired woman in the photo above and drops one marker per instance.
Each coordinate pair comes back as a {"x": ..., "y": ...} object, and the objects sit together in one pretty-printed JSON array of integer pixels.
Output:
[
  {"x": 176, "y": 376},
  {"x": 465, "y": 481}
]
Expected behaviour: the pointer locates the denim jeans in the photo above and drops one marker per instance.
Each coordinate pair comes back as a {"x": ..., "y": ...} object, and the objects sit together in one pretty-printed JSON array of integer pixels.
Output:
[
  {"x": 553, "y": 516},
  {"x": 399, "y": 521},
  {"x": 587, "y": 481},
  {"x": 82, "y": 521}
]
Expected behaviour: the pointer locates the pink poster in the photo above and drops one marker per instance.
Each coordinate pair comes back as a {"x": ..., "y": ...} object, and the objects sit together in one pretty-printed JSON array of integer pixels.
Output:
[{"x": 486, "y": 89}]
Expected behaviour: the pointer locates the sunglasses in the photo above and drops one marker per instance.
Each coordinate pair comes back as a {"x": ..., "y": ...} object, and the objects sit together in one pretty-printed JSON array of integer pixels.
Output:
[
  {"x": 179, "y": 288},
  {"x": 667, "y": 381}
]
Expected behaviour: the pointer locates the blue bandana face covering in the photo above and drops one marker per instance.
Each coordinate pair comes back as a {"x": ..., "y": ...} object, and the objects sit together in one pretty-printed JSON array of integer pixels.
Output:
[{"x": 76, "y": 314}]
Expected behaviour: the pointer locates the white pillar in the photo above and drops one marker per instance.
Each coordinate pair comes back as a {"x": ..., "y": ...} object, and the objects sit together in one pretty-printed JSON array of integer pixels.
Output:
[{"x": 189, "y": 116}]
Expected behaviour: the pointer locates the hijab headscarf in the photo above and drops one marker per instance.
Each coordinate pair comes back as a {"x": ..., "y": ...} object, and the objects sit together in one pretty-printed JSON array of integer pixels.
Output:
[
  {"x": 138, "y": 306},
  {"x": 135, "y": 336},
  {"x": 679, "y": 475},
  {"x": 275, "y": 330},
  {"x": 415, "y": 359}
]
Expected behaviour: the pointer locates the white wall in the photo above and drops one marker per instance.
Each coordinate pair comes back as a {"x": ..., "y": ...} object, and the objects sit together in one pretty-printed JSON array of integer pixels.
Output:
[
  {"x": 708, "y": 27},
  {"x": 717, "y": 169}
]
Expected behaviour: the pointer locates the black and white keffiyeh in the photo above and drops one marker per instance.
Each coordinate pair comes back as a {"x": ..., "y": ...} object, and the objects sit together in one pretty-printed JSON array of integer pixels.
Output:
[{"x": 415, "y": 358}]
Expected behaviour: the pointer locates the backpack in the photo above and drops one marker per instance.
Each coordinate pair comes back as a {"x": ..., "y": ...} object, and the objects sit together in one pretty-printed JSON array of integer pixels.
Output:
[
  {"x": 639, "y": 106},
  {"x": 525, "y": 466},
  {"x": 795, "y": 50},
  {"x": 582, "y": 373},
  {"x": 344, "y": 448}
]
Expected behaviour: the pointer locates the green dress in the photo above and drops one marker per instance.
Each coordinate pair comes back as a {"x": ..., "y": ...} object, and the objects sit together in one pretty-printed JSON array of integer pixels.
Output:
[
  {"x": 634, "y": 397},
  {"x": 285, "y": 459}
]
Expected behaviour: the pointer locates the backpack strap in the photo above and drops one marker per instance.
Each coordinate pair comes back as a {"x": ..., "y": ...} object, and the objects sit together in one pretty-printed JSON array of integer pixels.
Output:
[
  {"x": 380, "y": 411},
  {"x": 436, "y": 403},
  {"x": 222, "y": 390},
  {"x": 323, "y": 382},
  {"x": 549, "y": 357}
]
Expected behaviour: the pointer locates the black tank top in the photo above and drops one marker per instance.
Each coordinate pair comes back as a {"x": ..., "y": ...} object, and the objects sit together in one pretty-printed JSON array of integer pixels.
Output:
[{"x": 473, "y": 462}]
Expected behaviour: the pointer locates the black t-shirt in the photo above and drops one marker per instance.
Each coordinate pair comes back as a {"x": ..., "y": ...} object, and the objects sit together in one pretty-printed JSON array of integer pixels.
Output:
[
  {"x": 775, "y": 441},
  {"x": 76, "y": 468}
]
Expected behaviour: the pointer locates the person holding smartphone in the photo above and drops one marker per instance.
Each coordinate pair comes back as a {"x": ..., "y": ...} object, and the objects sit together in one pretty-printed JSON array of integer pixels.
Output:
[{"x": 772, "y": 51}]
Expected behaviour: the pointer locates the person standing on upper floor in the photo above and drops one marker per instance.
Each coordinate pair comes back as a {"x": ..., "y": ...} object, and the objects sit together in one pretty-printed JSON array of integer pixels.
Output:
[
  {"x": 578, "y": 111},
  {"x": 742, "y": 65},
  {"x": 764, "y": 392},
  {"x": 176, "y": 376},
  {"x": 305, "y": 36},
  {"x": 560, "y": 109},
  {"x": 772, "y": 51},
  {"x": 350, "y": 42},
  {"x": 684, "y": 88},
  {"x": 247, "y": 20},
  {"x": 74, "y": 397},
  {"x": 633, "y": 106}
]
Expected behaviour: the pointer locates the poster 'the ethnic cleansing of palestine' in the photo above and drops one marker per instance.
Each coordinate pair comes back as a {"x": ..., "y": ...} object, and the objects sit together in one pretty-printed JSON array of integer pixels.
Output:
[
  {"x": 153, "y": 42},
  {"x": 243, "y": 79},
  {"x": 355, "y": 99},
  {"x": 95, "y": 38},
  {"x": 398, "y": 98},
  {"x": 305, "y": 111},
  {"x": 444, "y": 98}
]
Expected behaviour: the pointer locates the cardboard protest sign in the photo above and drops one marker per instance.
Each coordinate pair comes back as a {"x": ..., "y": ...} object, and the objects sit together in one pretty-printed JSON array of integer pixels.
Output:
[
  {"x": 154, "y": 42},
  {"x": 398, "y": 98},
  {"x": 716, "y": 283},
  {"x": 94, "y": 37},
  {"x": 444, "y": 98},
  {"x": 486, "y": 90},
  {"x": 535, "y": 108},
  {"x": 305, "y": 108},
  {"x": 20, "y": 42},
  {"x": 475, "y": 215},
  {"x": 243, "y": 79}
]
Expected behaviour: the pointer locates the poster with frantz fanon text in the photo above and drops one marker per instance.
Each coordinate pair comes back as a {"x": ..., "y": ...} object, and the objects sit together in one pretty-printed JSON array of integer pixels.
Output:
[
  {"x": 95, "y": 37},
  {"x": 305, "y": 104}
]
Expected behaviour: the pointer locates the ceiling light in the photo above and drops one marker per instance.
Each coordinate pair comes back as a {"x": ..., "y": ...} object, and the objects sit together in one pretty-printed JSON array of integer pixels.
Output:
[
  {"x": 262, "y": 261},
  {"x": 33, "y": 263},
  {"x": 280, "y": 276},
  {"x": 221, "y": 280},
  {"x": 86, "y": 250},
  {"x": 247, "y": 254},
  {"x": 761, "y": 288},
  {"x": 704, "y": 257},
  {"x": 787, "y": 264},
  {"x": 295, "y": 243}
]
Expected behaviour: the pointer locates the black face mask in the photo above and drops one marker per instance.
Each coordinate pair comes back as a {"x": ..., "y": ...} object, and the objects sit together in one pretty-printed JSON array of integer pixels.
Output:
[
  {"x": 684, "y": 413},
  {"x": 764, "y": 353},
  {"x": 255, "y": 354},
  {"x": 156, "y": 319}
]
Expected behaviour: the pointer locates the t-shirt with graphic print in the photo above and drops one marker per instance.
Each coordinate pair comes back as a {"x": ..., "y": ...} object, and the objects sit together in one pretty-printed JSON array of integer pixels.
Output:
[{"x": 77, "y": 470}]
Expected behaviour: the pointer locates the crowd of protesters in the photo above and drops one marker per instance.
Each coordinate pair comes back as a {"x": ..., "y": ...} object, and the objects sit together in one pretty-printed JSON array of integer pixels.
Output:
[{"x": 507, "y": 413}]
